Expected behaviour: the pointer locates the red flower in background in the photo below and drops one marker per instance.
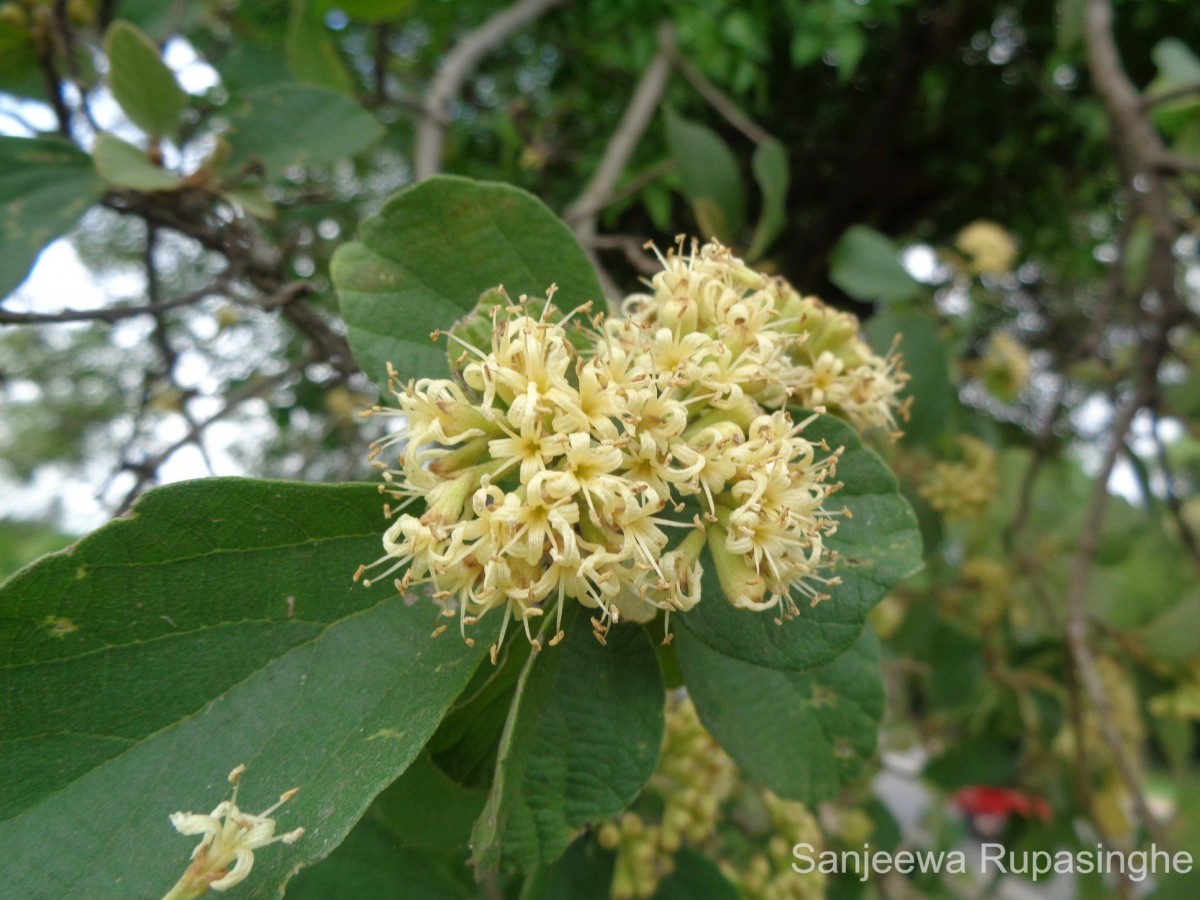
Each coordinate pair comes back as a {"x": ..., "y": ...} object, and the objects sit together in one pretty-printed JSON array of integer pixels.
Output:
[{"x": 986, "y": 800}]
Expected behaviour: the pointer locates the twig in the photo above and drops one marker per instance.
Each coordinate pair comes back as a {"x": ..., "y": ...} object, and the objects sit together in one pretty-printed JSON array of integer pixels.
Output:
[
  {"x": 598, "y": 192},
  {"x": 1041, "y": 449},
  {"x": 1179, "y": 93},
  {"x": 719, "y": 100},
  {"x": 457, "y": 66},
  {"x": 54, "y": 90},
  {"x": 248, "y": 256},
  {"x": 1174, "y": 162},
  {"x": 1078, "y": 631},
  {"x": 16, "y": 116},
  {"x": 646, "y": 177},
  {"x": 146, "y": 471},
  {"x": 161, "y": 338},
  {"x": 65, "y": 37},
  {"x": 634, "y": 249},
  {"x": 1139, "y": 147},
  {"x": 379, "y": 63},
  {"x": 111, "y": 314},
  {"x": 1186, "y": 535}
]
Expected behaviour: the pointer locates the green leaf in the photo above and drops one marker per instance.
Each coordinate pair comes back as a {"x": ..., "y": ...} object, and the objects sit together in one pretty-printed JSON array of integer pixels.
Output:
[
  {"x": 253, "y": 64},
  {"x": 216, "y": 625},
  {"x": 370, "y": 10},
  {"x": 770, "y": 166},
  {"x": 849, "y": 44},
  {"x": 126, "y": 166},
  {"x": 428, "y": 811},
  {"x": 1145, "y": 584},
  {"x": 312, "y": 54},
  {"x": 1172, "y": 635},
  {"x": 19, "y": 70},
  {"x": 141, "y": 82},
  {"x": 299, "y": 125},
  {"x": 695, "y": 877},
  {"x": 162, "y": 20},
  {"x": 22, "y": 541},
  {"x": 709, "y": 172},
  {"x": 801, "y": 734},
  {"x": 1178, "y": 69},
  {"x": 955, "y": 678},
  {"x": 806, "y": 48},
  {"x": 253, "y": 200},
  {"x": 1178, "y": 885},
  {"x": 584, "y": 872},
  {"x": 465, "y": 744},
  {"x": 977, "y": 760},
  {"x": 581, "y": 740},
  {"x": 656, "y": 200},
  {"x": 1070, "y": 23},
  {"x": 422, "y": 263},
  {"x": 1178, "y": 65},
  {"x": 877, "y": 546},
  {"x": 866, "y": 265},
  {"x": 44, "y": 186},
  {"x": 933, "y": 395},
  {"x": 372, "y": 863}
]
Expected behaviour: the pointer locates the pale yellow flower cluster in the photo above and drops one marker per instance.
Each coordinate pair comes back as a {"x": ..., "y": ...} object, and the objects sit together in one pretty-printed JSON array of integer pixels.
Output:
[
  {"x": 1006, "y": 366},
  {"x": 836, "y": 369},
  {"x": 964, "y": 488},
  {"x": 989, "y": 587},
  {"x": 769, "y": 875},
  {"x": 990, "y": 249},
  {"x": 229, "y": 837},
  {"x": 553, "y": 473},
  {"x": 788, "y": 348}
]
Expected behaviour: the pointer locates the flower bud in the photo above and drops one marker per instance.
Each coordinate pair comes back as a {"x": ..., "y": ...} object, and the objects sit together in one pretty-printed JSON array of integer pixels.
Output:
[{"x": 743, "y": 587}]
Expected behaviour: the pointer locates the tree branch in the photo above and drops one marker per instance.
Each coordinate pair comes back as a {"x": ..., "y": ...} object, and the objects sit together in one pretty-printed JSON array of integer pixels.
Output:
[
  {"x": 456, "y": 68},
  {"x": 146, "y": 471},
  {"x": 1078, "y": 626},
  {"x": 54, "y": 90},
  {"x": 633, "y": 248},
  {"x": 65, "y": 38},
  {"x": 248, "y": 256},
  {"x": 379, "y": 63},
  {"x": 1179, "y": 93},
  {"x": 112, "y": 314},
  {"x": 1175, "y": 163},
  {"x": 581, "y": 215},
  {"x": 1186, "y": 535},
  {"x": 1139, "y": 148},
  {"x": 719, "y": 100}
]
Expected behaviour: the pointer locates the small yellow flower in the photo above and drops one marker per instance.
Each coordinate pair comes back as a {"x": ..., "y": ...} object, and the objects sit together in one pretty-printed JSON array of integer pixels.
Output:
[
  {"x": 1006, "y": 366},
  {"x": 990, "y": 249},
  {"x": 225, "y": 854},
  {"x": 834, "y": 368},
  {"x": 964, "y": 488}
]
